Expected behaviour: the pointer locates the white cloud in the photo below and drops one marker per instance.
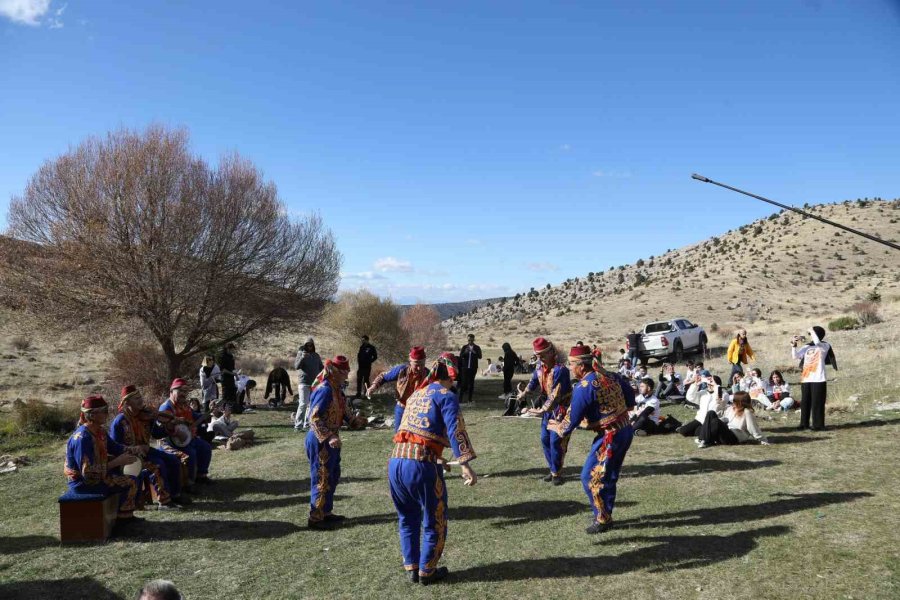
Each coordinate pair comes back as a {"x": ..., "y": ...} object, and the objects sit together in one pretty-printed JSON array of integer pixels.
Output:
[
  {"x": 362, "y": 276},
  {"x": 26, "y": 12},
  {"x": 542, "y": 266},
  {"x": 473, "y": 242},
  {"x": 612, "y": 174},
  {"x": 427, "y": 292},
  {"x": 389, "y": 263},
  {"x": 55, "y": 22}
]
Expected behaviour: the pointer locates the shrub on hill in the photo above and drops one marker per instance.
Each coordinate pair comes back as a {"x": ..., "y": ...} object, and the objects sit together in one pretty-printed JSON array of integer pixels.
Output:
[
  {"x": 843, "y": 324},
  {"x": 35, "y": 416},
  {"x": 867, "y": 312}
]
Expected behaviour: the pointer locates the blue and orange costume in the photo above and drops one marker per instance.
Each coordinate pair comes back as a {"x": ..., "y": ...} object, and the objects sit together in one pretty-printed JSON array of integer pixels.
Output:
[
  {"x": 87, "y": 454},
  {"x": 130, "y": 428},
  {"x": 407, "y": 381},
  {"x": 601, "y": 399},
  {"x": 197, "y": 455},
  {"x": 327, "y": 412},
  {"x": 556, "y": 392},
  {"x": 431, "y": 422}
]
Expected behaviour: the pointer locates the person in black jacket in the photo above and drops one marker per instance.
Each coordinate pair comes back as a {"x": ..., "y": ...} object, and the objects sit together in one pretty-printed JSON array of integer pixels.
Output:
[
  {"x": 510, "y": 364},
  {"x": 468, "y": 367},
  {"x": 365, "y": 358},
  {"x": 279, "y": 382},
  {"x": 633, "y": 339},
  {"x": 226, "y": 365}
]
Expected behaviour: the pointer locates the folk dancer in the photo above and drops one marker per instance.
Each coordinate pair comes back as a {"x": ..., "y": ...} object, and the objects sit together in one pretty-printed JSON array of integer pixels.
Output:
[
  {"x": 431, "y": 422},
  {"x": 132, "y": 427},
  {"x": 601, "y": 398},
  {"x": 327, "y": 412},
  {"x": 93, "y": 460},
  {"x": 556, "y": 392},
  {"x": 197, "y": 455},
  {"x": 407, "y": 379}
]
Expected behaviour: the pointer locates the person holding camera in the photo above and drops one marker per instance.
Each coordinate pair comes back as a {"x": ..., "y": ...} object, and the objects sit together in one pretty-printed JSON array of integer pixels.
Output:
[{"x": 813, "y": 387}]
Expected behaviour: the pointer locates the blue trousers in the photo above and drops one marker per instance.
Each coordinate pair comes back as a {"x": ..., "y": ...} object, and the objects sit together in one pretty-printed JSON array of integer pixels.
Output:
[
  {"x": 399, "y": 409},
  {"x": 554, "y": 446},
  {"x": 198, "y": 453},
  {"x": 324, "y": 474},
  {"x": 420, "y": 496},
  {"x": 601, "y": 471},
  {"x": 169, "y": 468},
  {"x": 130, "y": 489}
]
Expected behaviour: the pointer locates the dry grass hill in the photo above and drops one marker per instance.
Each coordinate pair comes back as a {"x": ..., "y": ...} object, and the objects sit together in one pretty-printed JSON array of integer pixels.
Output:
[{"x": 777, "y": 269}]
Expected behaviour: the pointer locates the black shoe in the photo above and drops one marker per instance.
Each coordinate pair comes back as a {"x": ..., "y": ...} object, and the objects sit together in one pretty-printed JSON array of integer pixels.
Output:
[
  {"x": 413, "y": 576},
  {"x": 205, "y": 480},
  {"x": 802, "y": 427},
  {"x": 598, "y": 528},
  {"x": 439, "y": 574},
  {"x": 333, "y": 518},
  {"x": 640, "y": 432},
  {"x": 321, "y": 525},
  {"x": 182, "y": 500},
  {"x": 558, "y": 480},
  {"x": 547, "y": 478}
]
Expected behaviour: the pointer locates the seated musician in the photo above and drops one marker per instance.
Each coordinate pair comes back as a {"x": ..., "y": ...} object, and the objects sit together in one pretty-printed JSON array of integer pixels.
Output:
[
  {"x": 132, "y": 427},
  {"x": 196, "y": 454},
  {"x": 93, "y": 460}
]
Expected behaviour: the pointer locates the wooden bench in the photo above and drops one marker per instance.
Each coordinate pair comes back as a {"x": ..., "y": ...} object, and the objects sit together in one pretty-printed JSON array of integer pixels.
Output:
[{"x": 87, "y": 517}]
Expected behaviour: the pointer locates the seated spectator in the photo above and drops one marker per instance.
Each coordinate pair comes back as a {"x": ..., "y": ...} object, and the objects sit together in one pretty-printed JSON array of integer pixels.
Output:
[
  {"x": 639, "y": 373},
  {"x": 754, "y": 385},
  {"x": 778, "y": 393},
  {"x": 491, "y": 369},
  {"x": 707, "y": 396},
  {"x": 224, "y": 426},
  {"x": 670, "y": 387},
  {"x": 622, "y": 358},
  {"x": 737, "y": 381},
  {"x": 625, "y": 368},
  {"x": 737, "y": 426},
  {"x": 691, "y": 374},
  {"x": 201, "y": 431},
  {"x": 645, "y": 414}
]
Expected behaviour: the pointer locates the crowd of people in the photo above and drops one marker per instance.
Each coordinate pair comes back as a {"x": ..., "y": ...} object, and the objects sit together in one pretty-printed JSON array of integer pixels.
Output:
[{"x": 159, "y": 455}]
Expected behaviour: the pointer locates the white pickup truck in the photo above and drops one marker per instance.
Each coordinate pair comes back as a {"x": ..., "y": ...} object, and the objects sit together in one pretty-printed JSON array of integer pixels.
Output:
[{"x": 671, "y": 340}]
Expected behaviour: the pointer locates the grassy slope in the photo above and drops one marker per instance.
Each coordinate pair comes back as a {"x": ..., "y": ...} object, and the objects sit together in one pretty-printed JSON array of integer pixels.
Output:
[{"x": 810, "y": 516}]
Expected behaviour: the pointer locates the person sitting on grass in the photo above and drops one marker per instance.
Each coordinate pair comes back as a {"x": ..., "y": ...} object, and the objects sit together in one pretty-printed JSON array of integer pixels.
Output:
[
  {"x": 692, "y": 374},
  {"x": 669, "y": 384},
  {"x": 93, "y": 460},
  {"x": 625, "y": 369},
  {"x": 737, "y": 426},
  {"x": 707, "y": 395},
  {"x": 737, "y": 383},
  {"x": 224, "y": 425},
  {"x": 754, "y": 385},
  {"x": 491, "y": 369},
  {"x": 778, "y": 393},
  {"x": 645, "y": 415}
]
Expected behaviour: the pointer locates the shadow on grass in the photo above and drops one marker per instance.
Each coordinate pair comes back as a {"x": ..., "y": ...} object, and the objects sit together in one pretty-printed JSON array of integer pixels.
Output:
[
  {"x": 26, "y": 543},
  {"x": 221, "y": 530},
  {"x": 80, "y": 588},
  {"x": 794, "y": 439},
  {"x": 301, "y": 501},
  {"x": 691, "y": 466},
  {"x": 787, "y": 503},
  {"x": 657, "y": 554},
  {"x": 522, "y": 512},
  {"x": 841, "y": 426}
]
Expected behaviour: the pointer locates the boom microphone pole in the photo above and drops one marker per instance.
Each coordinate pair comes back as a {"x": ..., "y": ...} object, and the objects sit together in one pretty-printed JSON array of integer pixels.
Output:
[{"x": 868, "y": 236}]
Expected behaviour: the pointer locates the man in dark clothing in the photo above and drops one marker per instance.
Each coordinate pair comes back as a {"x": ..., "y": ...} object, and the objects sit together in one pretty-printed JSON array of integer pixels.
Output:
[
  {"x": 365, "y": 358},
  {"x": 279, "y": 381},
  {"x": 468, "y": 367},
  {"x": 510, "y": 363},
  {"x": 226, "y": 365},
  {"x": 633, "y": 340}
]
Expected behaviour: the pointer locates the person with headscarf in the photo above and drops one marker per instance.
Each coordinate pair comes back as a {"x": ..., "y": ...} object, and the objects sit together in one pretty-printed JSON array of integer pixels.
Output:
[
  {"x": 431, "y": 422},
  {"x": 510, "y": 363},
  {"x": 93, "y": 460},
  {"x": 603, "y": 399},
  {"x": 327, "y": 412},
  {"x": 555, "y": 393},
  {"x": 227, "y": 374},
  {"x": 132, "y": 427},
  {"x": 308, "y": 364},
  {"x": 813, "y": 387},
  {"x": 406, "y": 379}
]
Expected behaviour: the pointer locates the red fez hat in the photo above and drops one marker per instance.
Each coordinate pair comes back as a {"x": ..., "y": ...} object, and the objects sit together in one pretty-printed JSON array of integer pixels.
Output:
[
  {"x": 417, "y": 353},
  {"x": 449, "y": 356},
  {"x": 93, "y": 403},
  {"x": 129, "y": 391},
  {"x": 581, "y": 351},
  {"x": 177, "y": 383},
  {"x": 341, "y": 362},
  {"x": 541, "y": 345}
]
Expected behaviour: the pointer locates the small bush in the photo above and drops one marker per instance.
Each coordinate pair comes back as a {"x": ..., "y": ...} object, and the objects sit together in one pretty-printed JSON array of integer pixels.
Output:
[
  {"x": 251, "y": 364},
  {"x": 20, "y": 343},
  {"x": 867, "y": 312},
  {"x": 843, "y": 324},
  {"x": 35, "y": 416},
  {"x": 145, "y": 366},
  {"x": 714, "y": 327}
]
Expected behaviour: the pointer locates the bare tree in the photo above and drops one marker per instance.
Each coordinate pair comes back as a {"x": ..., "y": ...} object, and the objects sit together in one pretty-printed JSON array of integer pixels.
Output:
[
  {"x": 360, "y": 313},
  {"x": 423, "y": 325},
  {"x": 134, "y": 229}
]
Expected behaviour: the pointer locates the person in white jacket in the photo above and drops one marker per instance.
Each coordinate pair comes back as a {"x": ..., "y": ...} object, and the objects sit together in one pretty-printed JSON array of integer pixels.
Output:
[
  {"x": 210, "y": 374},
  {"x": 707, "y": 394},
  {"x": 813, "y": 388},
  {"x": 737, "y": 426},
  {"x": 645, "y": 414}
]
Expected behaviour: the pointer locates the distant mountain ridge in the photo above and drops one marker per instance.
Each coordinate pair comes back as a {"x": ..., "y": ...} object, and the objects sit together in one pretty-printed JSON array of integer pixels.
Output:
[{"x": 448, "y": 310}]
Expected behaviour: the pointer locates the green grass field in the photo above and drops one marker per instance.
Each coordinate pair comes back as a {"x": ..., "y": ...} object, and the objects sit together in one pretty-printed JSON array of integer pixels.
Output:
[{"x": 811, "y": 516}]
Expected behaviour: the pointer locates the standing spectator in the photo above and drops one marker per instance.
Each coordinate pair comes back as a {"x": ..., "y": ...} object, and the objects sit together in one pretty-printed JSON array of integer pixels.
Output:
[
  {"x": 209, "y": 375},
  {"x": 645, "y": 414},
  {"x": 365, "y": 358},
  {"x": 739, "y": 352},
  {"x": 632, "y": 341},
  {"x": 309, "y": 365},
  {"x": 226, "y": 366},
  {"x": 279, "y": 382},
  {"x": 510, "y": 365},
  {"x": 469, "y": 355},
  {"x": 813, "y": 389}
]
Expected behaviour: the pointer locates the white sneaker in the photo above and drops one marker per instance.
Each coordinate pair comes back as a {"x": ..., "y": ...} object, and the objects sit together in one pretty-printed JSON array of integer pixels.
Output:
[
  {"x": 697, "y": 441},
  {"x": 702, "y": 445}
]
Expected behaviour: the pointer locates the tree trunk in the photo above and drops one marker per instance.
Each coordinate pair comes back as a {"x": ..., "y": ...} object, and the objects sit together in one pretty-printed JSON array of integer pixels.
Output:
[{"x": 173, "y": 358}]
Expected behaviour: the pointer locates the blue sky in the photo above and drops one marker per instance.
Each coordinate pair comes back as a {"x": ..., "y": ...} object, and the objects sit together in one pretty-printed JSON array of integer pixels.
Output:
[{"x": 474, "y": 149}]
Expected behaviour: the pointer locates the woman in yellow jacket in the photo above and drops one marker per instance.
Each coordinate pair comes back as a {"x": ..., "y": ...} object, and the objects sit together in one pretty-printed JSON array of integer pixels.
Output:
[{"x": 739, "y": 352}]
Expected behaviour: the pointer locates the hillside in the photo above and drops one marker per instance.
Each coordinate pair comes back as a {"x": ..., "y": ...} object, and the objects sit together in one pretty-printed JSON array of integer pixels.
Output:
[
  {"x": 779, "y": 268},
  {"x": 448, "y": 310}
]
